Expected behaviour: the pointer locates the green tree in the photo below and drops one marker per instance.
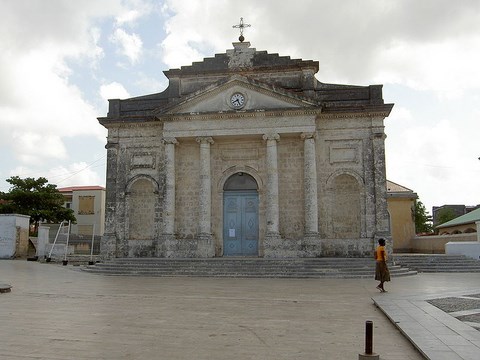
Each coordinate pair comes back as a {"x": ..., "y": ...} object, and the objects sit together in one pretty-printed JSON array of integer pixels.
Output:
[
  {"x": 444, "y": 215},
  {"x": 36, "y": 198},
  {"x": 423, "y": 221}
]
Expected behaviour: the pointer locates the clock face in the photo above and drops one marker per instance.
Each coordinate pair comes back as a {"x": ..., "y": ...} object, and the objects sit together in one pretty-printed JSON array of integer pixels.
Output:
[{"x": 237, "y": 100}]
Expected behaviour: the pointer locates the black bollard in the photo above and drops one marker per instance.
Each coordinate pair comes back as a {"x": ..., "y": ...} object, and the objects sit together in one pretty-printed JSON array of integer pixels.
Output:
[
  {"x": 369, "y": 337},
  {"x": 368, "y": 354}
]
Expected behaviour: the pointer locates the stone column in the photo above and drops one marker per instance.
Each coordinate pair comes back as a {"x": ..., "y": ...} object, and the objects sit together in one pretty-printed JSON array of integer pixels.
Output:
[
  {"x": 272, "y": 242},
  {"x": 310, "y": 184},
  {"x": 310, "y": 244},
  {"x": 381, "y": 212},
  {"x": 108, "y": 244},
  {"x": 206, "y": 247},
  {"x": 168, "y": 217}
]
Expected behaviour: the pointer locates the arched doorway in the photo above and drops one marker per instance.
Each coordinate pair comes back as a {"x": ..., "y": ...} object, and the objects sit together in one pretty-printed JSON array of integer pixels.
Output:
[{"x": 240, "y": 216}]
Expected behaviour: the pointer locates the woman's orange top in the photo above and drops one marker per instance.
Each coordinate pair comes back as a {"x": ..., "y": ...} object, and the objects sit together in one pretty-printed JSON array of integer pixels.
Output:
[{"x": 378, "y": 253}]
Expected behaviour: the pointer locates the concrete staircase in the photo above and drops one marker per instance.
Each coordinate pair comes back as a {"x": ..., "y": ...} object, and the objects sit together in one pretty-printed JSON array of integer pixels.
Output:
[
  {"x": 245, "y": 267},
  {"x": 437, "y": 262}
]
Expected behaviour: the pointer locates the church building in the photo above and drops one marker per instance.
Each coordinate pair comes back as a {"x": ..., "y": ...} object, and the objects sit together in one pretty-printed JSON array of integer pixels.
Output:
[{"x": 246, "y": 154}]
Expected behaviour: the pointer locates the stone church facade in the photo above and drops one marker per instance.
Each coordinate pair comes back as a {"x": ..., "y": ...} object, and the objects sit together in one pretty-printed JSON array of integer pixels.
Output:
[{"x": 246, "y": 154}]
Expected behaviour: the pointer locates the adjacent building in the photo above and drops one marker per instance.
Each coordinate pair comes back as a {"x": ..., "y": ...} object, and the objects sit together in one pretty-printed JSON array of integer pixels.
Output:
[
  {"x": 454, "y": 210},
  {"x": 88, "y": 205},
  {"x": 467, "y": 223},
  {"x": 401, "y": 207}
]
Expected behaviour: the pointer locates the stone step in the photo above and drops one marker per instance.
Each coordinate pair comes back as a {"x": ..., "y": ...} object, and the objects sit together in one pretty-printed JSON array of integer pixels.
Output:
[
  {"x": 293, "y": 268},
  {"x": 437, "y": 262}
]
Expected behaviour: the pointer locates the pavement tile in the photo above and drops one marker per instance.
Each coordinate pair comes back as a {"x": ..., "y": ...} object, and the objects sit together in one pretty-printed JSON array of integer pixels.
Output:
[
  {"x": 453, "y": 340},
  {"x": 59, "y": 310},
  {"x": 434, "y": 332},
  {"x": 467, "y": 352},
  {"x": 62, "y": 313},
  {"x": 442, "y": 355}
]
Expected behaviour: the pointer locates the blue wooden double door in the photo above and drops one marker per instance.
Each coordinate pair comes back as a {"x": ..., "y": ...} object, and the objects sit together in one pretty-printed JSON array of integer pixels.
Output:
[{"x": 240, "y": 223}]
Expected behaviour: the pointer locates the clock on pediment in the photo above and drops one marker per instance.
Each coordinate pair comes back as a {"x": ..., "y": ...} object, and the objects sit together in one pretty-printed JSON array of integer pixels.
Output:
[{"x": 237, "y": 100}]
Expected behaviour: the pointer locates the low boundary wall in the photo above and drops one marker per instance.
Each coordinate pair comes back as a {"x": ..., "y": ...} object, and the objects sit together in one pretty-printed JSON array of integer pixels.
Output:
[{"x": 436, "y": 244}]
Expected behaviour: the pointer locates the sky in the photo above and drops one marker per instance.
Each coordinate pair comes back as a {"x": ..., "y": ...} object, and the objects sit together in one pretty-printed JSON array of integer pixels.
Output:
[{"x": 61, "y": 60}]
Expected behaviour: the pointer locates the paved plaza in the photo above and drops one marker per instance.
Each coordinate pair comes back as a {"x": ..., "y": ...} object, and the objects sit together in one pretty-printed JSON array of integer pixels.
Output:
[{"x": 58, "y": 312}]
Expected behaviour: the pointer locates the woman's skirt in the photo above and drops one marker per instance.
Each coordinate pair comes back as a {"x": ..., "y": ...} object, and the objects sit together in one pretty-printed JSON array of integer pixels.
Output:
[{"x": 381, "y": 271}]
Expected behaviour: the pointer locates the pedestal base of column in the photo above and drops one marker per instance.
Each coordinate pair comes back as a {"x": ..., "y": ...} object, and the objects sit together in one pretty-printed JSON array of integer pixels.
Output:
[
  {"x": 122, "y": 248},
  {"x": 205, "y": 245},
  {"x": 311, "y": 245},
  {"x": 180, "y": 248},
  {"x": 276, "y": 247},
  {"x": 159, "y": 249},
  {"x": 170, "y": 245},
  {"x": 272, "y": 245},
  {"x": 108, "y": 246}
]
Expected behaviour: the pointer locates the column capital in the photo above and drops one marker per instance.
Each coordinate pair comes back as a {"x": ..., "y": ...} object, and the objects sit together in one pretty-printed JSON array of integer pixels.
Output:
[
  {"x": 205, "y": 140},
  {"x": 378, "y": 136},
  {"x": 272, "y": 136},
  {"x": 308, "y": 135},
  {"x": 170, "y": 140},
  {"x": 111, "y": 145}
]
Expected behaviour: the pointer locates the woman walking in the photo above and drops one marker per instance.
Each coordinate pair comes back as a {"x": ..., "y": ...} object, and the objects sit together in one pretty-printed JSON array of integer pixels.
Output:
[{"x": 382, "y": 273}]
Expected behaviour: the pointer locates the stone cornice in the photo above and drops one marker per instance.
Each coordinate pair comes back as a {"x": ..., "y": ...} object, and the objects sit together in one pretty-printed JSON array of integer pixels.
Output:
[
  {"x": 381, "y": 110},
  {"x": 242, "y": 114},
  {"x": 132, "y": 124},
  {"x": 337, "y": 113}
]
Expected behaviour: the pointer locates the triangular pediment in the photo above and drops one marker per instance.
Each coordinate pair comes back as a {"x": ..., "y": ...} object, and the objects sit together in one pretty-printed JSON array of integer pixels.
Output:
[{"x": 238, "y": 93}]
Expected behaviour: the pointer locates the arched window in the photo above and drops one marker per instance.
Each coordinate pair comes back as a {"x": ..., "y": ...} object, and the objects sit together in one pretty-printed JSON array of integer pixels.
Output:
[
  {"x": 141, "y": 210},
  {"x": 346, "y": 211},
  {"x": 240, "y": 181}
]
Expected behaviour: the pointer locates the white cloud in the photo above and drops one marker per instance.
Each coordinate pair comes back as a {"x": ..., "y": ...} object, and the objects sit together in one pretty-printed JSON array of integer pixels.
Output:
[
  {"x": 129, "y": 16},
  {"x": 27, "y": 145},
  {"x": 447, "y": 67},
  {"x": 149, "y": 85},
  {"x": 113, "y": 90},
  {"x": 130, "y": 45},
  {"x": 43, "y": 107},
  {"x": 437, "y": 159},
  {"x": 40, "y": 108},
  {"x": 73, "y": 174},
  {"x": 133, "y": 11},
  {"x": 191, "y": 37},
  {"x": 428, "y": 45}
]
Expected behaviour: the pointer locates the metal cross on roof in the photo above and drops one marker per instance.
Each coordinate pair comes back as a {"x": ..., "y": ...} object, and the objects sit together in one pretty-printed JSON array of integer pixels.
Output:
[{"x": 241, "y": 26}]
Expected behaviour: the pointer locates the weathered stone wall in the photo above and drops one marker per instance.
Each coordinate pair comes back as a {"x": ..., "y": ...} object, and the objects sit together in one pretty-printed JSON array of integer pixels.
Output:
[
  {"x": 14, "y": 231},
  {"x": 187, "y": 192},
  {"x": 134, "y": 191},
  {"x": 141, "y": 207},
  {"x": 347, "y": 194},
  {"x": 436, "y": 244},
  {"x": 291, "y": 193}
]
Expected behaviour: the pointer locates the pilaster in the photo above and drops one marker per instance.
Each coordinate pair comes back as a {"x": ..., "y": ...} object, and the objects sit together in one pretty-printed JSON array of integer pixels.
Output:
[
  {"x": 273, "y": 241},
  {"x": 381, "y": 214},
  {"x": 272, "y": 214},
  {"x": 168, "y": 228},
  {"x": 206, "y": 246},
  {"x": 310, "y": 244},
  {"x": 108, "y": 243}
]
